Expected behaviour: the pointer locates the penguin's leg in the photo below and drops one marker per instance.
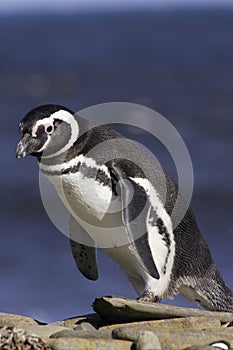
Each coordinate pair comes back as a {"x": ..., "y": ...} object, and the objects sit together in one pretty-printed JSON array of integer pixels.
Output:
[{"x": 148, "y": 295}]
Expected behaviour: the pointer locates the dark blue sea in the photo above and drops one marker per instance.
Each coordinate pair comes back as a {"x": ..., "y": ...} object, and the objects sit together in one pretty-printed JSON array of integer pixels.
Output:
[{"x": 178, "y": 62}]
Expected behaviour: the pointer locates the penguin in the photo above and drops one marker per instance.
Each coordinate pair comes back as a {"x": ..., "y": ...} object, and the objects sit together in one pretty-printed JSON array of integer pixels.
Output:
[{"x": 121, "y": 200}]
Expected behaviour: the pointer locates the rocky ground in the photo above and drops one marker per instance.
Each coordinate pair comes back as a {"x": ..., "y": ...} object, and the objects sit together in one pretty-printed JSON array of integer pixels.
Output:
[{"x": 122, "y": 324}]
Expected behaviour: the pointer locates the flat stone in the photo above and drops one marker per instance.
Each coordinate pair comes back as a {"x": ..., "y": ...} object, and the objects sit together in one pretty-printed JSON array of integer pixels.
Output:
[
  {"x": 87, "y": 344},
  {"x": 44, "y": 332},
  {"x": 174, "y": 324},
  {"x": 115, "y": 309},
  {"x": 15, "y": 320},
  {"x": 93, "y": 319},
  {"x": 147, "y": 340},
  {"x": 96, "y": 334}
]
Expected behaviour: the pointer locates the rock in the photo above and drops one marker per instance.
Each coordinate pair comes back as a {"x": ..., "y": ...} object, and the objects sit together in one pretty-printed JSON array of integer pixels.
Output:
[
  {"x": 85, "y": 326},
  {"x": 15, "y": 320},
  {"x": 157, "y": 326},
  {"x": 147, "y": 340},
  {"x": 58, "y": 323},
  {"x": 12, "y": 338},
  {"x": 69, "y": 333},
  {"x": 86, "y": 344},
  {"x": 176, "y": 338},
  {"x": 115, "y": 309},
  {"x": 93, "y": 319},
  {"x": 45, "y": 331},
  {"x": 174, "y": 324}
]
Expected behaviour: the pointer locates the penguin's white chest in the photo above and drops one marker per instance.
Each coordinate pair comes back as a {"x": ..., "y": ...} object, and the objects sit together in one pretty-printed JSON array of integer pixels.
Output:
[
  {"x": 90, "y": 202},
  {"x": 83, "y": 196}
]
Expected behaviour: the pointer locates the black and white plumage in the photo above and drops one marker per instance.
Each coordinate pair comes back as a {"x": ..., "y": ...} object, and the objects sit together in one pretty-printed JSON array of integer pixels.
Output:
[{"x": 92, "y": 166}]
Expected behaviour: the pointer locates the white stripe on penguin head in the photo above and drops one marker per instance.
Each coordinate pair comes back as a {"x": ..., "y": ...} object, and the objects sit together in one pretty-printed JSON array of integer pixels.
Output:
[{"x": 64, "y": 116}]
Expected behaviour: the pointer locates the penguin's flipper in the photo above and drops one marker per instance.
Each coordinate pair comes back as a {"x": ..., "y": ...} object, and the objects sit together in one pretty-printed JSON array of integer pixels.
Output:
[
  {"x": 135, "y": 209},
  {"x": 84, "y": 254}
]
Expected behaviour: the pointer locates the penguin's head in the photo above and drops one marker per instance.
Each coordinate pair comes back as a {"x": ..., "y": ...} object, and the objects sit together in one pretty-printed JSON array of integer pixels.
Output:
[{"x": 47, "y": 130}]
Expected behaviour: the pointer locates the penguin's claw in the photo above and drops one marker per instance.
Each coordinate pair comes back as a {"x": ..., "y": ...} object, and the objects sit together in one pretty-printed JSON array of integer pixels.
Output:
[{"x": 149, "y": 297}]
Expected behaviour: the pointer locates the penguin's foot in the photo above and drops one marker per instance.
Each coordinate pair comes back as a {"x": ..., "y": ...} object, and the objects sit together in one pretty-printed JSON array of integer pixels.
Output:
[{"x": 148, "y": 296}]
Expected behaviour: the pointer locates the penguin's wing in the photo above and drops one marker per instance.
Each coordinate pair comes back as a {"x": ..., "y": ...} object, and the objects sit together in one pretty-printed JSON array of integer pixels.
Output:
[
  {"x": 135, "y": 209},
  {"x": 84, "y": 255}
]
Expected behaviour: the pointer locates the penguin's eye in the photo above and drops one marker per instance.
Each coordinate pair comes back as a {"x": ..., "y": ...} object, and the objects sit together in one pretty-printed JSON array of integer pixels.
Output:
[{"x": 49, "y": 128}]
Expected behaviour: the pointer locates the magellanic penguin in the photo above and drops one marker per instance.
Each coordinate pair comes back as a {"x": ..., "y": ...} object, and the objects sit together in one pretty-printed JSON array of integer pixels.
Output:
[{"x": 93, "y": 167}]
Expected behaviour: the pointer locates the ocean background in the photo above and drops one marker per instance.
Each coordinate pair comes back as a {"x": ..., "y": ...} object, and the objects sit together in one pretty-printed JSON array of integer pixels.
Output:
[{"x": 177, "y": 61}]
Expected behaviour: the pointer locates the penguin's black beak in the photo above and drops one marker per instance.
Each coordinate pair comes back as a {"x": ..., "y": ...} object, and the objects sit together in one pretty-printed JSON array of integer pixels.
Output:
[{"x": 27, "y": 145}]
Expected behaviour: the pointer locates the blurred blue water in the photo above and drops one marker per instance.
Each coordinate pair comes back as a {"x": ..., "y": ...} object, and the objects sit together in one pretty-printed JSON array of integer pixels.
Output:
[{"x": 177, "y": 62}]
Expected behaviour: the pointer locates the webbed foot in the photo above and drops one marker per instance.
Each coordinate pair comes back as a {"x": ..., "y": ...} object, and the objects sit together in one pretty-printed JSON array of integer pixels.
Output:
[{"x": 148, "y": 296}]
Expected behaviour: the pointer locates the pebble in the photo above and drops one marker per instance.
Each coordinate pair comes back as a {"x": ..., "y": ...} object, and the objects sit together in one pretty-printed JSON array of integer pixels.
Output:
[
  {"x": 221, "y": 345},
  {"x": 147, "y": 340},
  {"x": 215, "y": 346},
  {"x": 12, "y": 338},
  {"x": 85, "y": 326}
]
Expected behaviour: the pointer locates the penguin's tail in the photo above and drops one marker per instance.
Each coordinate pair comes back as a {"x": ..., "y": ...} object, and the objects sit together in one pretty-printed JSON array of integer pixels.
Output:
[
  {"x": 216, "y": 295},
  {"x": 209, "y": 290}
]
